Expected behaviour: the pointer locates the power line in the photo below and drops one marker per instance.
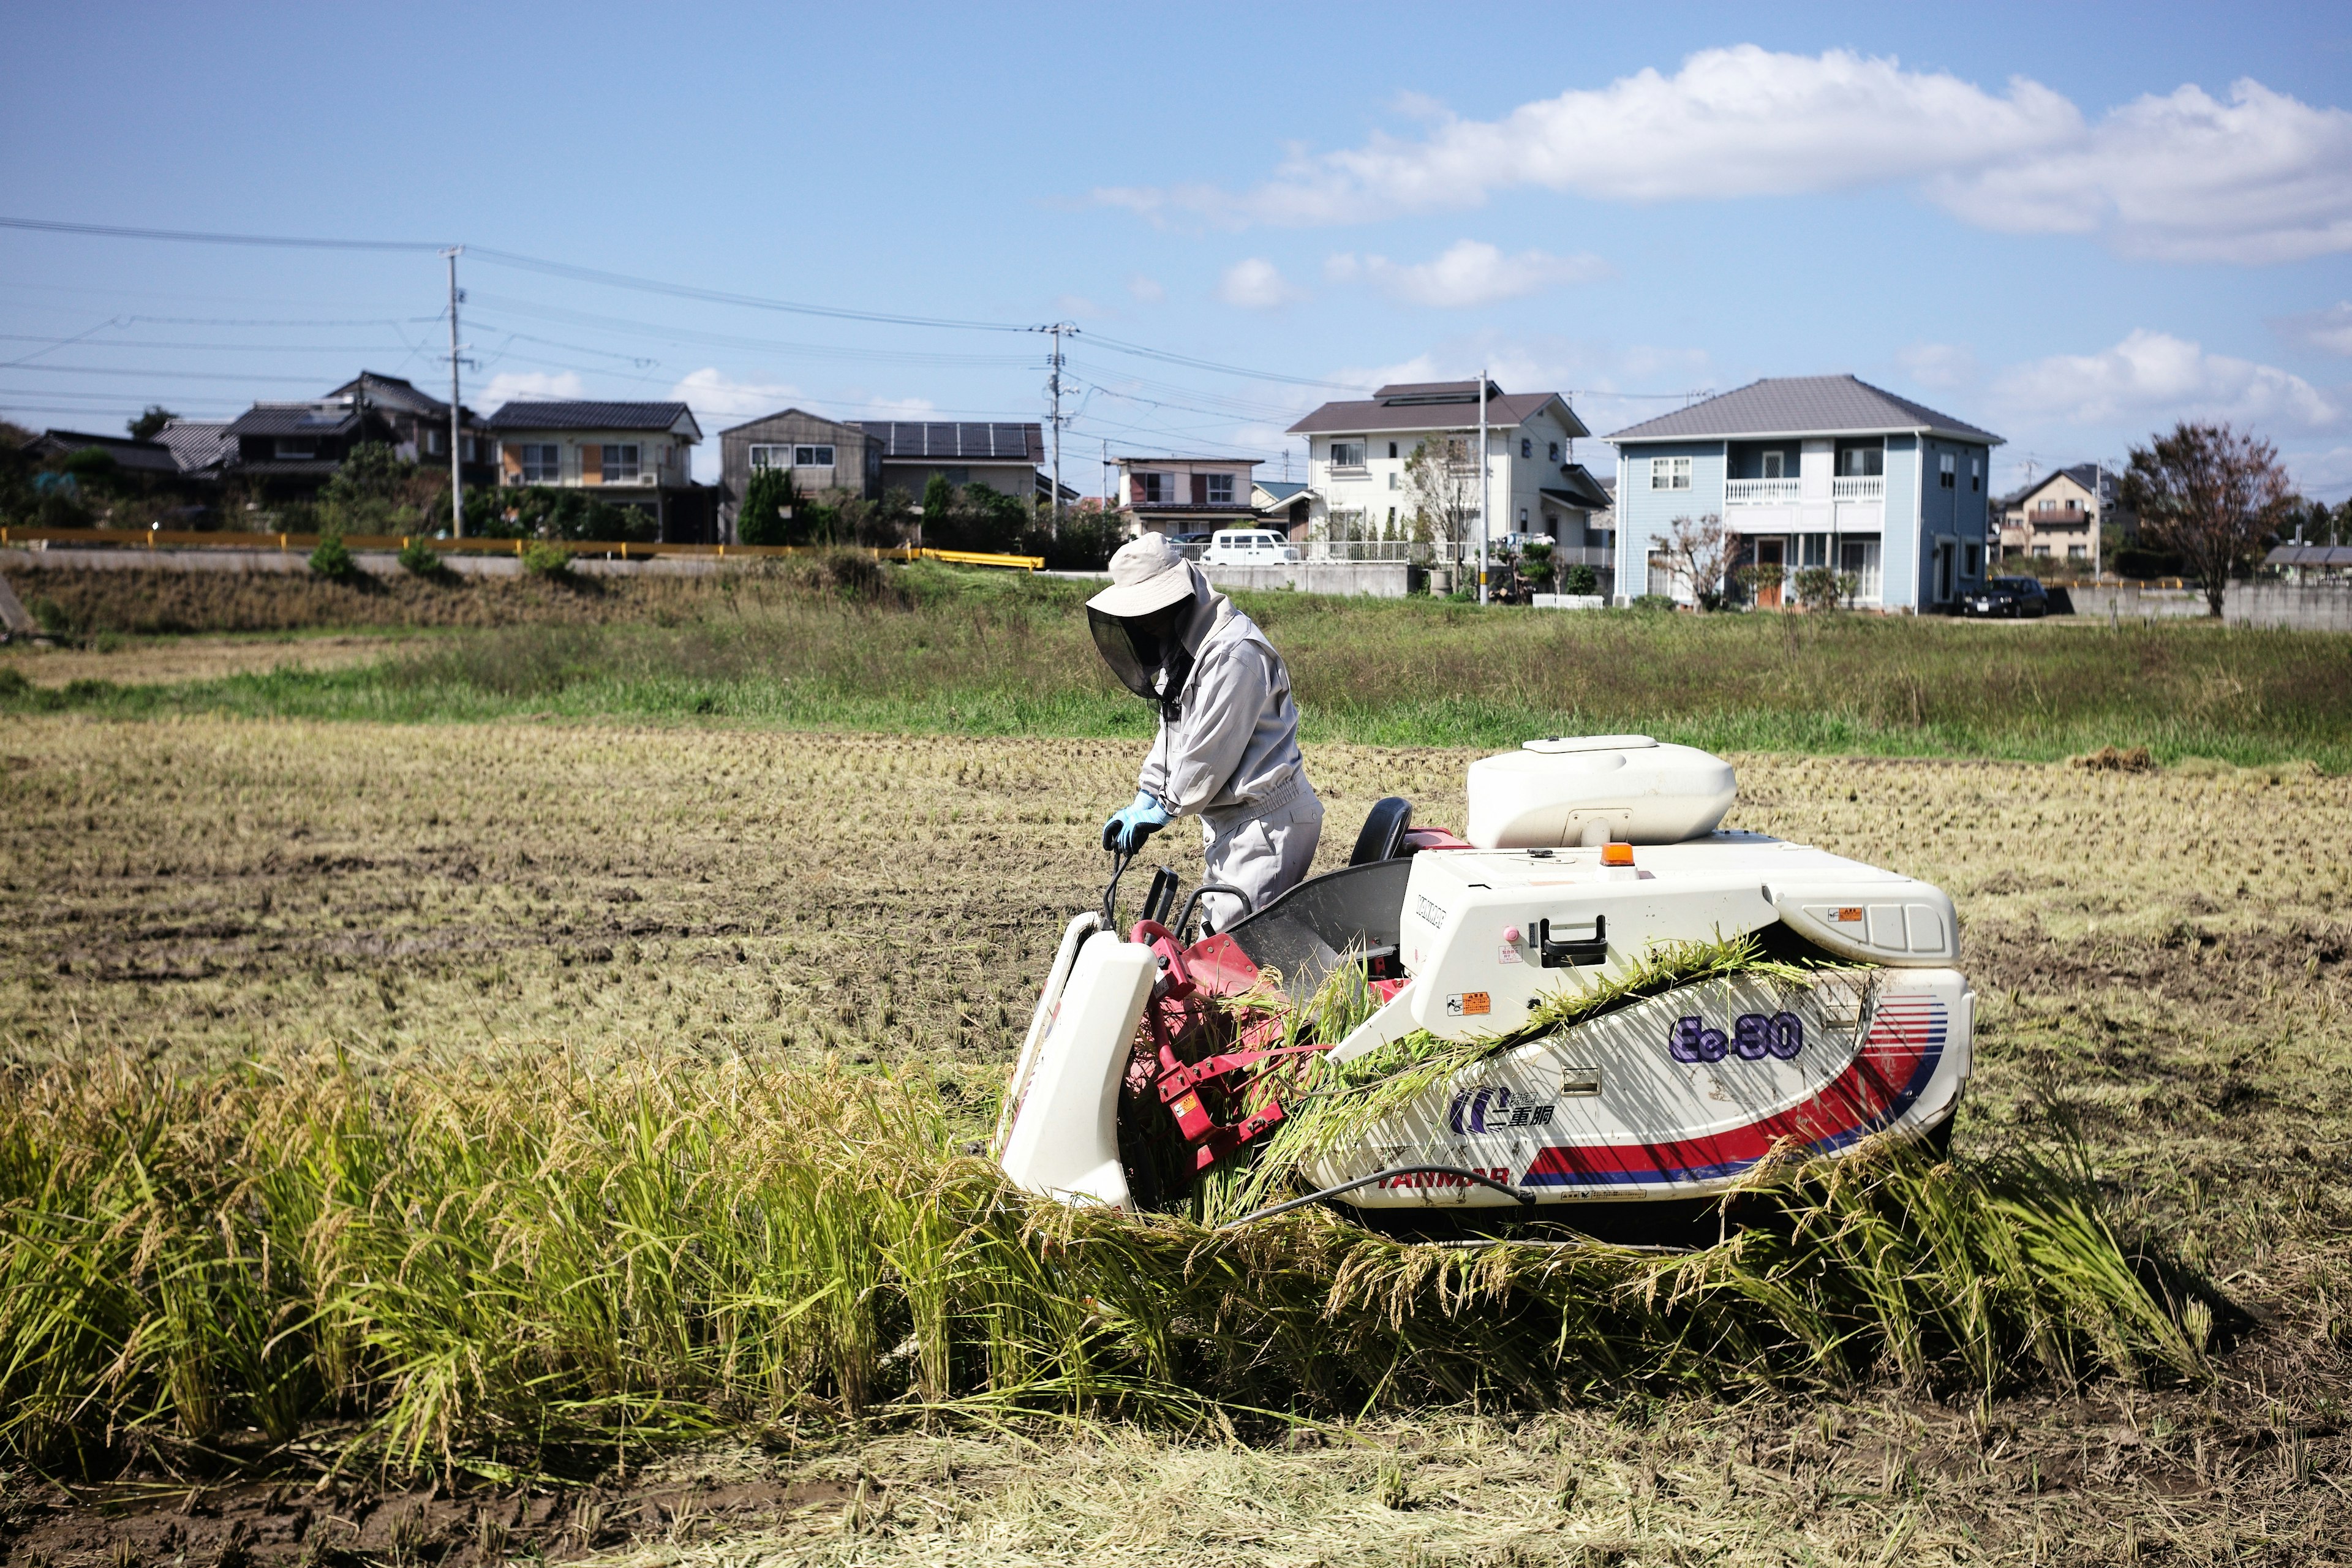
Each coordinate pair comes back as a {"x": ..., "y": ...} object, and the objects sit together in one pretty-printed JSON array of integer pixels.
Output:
[{"x": 114, "y": 231}]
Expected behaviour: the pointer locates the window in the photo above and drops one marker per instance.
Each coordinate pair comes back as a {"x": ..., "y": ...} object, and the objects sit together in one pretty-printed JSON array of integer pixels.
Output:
[
  {"x": 1552, "y": 452},
  {"x": 1347, "y": 454},
  {"x": 436, "y": 440},
  {"x": 543, "y": 463},
  {"x": 1670, "y": 473},
  {"x": 1975, "y": 474},
  {"x": 1392, "y": 517},
  {"x": 1221, "y": 489},
  {"x": 1394, "y": 483},
  {"x": 811, "y": 457},
  {"x": 1392, "y": 451},
  {"x": 1944, "y": 472},
  {"x": 1976, "y": 560},
  {"x": 620, "y": 463},
  {"x": 1152, "y": 489},
  {"x": 295, "y": 449},
  {"x": 1861, "y": 462},
  {"x": 1772, "y": 461},
  {"x": 2078, "y": 552},
  {"x": 1527, "y": 448},
  {"x": 771, "y": 458}
]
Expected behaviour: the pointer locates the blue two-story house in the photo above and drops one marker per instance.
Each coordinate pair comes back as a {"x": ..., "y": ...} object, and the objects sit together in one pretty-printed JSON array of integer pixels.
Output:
[{"x": 1813, "y": 470}]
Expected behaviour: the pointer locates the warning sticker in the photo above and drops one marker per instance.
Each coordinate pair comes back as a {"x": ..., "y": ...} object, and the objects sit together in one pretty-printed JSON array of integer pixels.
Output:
[
  {"x": 1469, "y": 1005},
  {"x": 1506, "y": 953}
]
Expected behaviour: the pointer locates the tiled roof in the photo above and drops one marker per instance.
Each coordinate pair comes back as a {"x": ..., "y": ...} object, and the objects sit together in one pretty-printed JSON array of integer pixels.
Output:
[
  {"x": 136, "y": 456},
  {"x": 1801, "y": 406},
  {"x": 2089, "y": 476},
  {"x": 392, "y": 392},
  {"x": 197, "y": 444},
  {"x": 2338, "y": 556},
  {"x": 294, "y": 419},
  {"x": 906, "y": 441},
  {"x": 1432, "y": 405},
  {"x": 1282, "y": 490},
  {"x": 1578, "y": 488},
  {"x": 552, "y": 414}
]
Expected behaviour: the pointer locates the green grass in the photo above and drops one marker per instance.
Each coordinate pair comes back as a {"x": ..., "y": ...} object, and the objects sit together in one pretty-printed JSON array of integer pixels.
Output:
[
  {"x": 487, "y": 1271},
  {"x": 944, "y": 652}
]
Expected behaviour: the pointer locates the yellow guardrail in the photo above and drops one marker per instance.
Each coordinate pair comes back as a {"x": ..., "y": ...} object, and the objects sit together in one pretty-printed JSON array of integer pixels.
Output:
[{"x": 622, "y": 549}]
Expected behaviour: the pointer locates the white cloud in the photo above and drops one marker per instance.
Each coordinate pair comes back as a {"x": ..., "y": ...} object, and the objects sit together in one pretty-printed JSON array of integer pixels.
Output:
[
  {"x": 900, "y": 407},
  {"x": 1940, "y": 366},
  {"x": 1146, "y": 290},
  {"x": 2260, "y": 177},
  {"x": 1468, "y": 272},
  {"x": 713, "y": 392},
  {"x": 2328, "y": 331},
  {"x": 1254, "y": 283},
  {"x": 2157, "y": 377},
  {"x": 509, "y": 385},
  {"x": 1076, "y": 305}
]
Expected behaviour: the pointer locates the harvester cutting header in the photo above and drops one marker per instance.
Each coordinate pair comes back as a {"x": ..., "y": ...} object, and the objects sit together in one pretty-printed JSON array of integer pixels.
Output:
[{"x": 1594, "y": 994}]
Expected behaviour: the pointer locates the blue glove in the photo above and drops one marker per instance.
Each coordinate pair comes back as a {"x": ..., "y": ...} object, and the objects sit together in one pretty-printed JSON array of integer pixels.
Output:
[{"x": 1124, "y": 833}]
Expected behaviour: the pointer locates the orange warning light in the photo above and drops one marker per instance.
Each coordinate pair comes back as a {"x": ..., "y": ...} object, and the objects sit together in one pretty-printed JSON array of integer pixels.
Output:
[{"x": 1616, "y": 854}]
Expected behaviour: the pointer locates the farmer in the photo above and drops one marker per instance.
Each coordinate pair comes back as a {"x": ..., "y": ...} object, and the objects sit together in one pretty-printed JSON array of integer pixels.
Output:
[{"x": 1228, "y": 742}]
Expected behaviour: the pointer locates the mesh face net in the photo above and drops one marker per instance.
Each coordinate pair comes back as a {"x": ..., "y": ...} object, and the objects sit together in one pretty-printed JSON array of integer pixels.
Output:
[{"x": 1143, "y": 652}]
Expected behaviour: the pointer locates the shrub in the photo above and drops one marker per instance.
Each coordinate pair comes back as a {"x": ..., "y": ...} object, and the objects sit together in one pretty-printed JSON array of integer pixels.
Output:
[
  {"x": 771, "y": 506},
  {"x": 547, "y": 561},
  {"x": 1085, "y": 542},
  {"x": 1653, "y": 602},
  {"x": 421, "y": 560},
  {"x": 331, "y": 560},
  {"x": 1580, "y": 579}
]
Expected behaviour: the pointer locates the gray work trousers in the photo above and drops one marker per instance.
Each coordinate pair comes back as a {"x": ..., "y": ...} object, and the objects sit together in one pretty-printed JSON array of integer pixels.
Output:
[{"x": 1264, "y": 854}]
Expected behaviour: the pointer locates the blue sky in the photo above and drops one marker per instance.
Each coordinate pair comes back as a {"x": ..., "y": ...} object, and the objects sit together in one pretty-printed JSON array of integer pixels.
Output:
[{"x": 2072, "y": 224}]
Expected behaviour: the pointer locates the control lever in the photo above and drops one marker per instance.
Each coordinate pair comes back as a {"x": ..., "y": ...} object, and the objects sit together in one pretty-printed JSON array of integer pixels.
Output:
[{"x": 1580, "y": 953}]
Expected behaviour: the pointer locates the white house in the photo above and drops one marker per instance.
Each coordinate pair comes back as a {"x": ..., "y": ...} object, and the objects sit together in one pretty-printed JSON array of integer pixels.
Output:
[
  {"x": 631, "y": 454},
  {"x": 1357, "y": 451},
  {"x": 1813, "y": 470}
]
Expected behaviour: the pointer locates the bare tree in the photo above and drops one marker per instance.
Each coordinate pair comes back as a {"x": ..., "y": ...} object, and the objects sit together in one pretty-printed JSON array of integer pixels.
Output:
[
  {"x": 1441, "y": 479},
  {"x": 1700, "y": 552},
  {"x": 2212, "y": 495}
]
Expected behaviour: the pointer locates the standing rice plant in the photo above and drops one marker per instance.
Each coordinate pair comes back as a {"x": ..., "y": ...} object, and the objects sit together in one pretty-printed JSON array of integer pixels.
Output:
[{"x": 489, "y": 1271}]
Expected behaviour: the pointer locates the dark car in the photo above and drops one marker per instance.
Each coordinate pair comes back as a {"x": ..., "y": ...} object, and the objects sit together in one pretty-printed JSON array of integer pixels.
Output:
[{"x": 2010, "y": 596}]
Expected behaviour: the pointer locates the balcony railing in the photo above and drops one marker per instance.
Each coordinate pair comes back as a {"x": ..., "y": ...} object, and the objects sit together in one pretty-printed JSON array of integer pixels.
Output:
[
  {"x": 1872, "y": 486},
  {"x": 1759, "y": 492}
]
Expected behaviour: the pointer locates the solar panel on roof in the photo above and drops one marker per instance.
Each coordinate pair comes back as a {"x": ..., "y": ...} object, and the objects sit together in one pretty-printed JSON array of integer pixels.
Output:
[{"x": 1009, "y": 440}]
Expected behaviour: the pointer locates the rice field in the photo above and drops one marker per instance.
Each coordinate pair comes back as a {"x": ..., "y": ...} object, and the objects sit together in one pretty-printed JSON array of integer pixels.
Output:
[{"x": 284, "y": 948}]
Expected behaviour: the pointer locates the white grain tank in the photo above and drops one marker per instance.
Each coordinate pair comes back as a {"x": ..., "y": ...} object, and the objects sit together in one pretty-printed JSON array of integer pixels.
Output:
[{"x": 1593, "y": 789}]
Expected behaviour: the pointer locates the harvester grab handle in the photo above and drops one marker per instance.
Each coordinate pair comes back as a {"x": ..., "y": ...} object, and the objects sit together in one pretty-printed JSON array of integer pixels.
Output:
[
  {"x": 1317, "y": 1197},
  {"x": 1184, "y": 922},
  {"x": 1073, "y": 936}
]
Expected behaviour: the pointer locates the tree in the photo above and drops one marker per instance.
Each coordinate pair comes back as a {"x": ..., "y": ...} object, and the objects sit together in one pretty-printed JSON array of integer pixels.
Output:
[
  {"x": 2212, "y": 495},
  {"x": 771, "y": 507},
  {"x": 939, "y": 508},
  {"x": 1699, "y": 552},
  {"x": 1442, "y": 480},
  {"x": 147, "y": 426},
  {"x": 374, "y": 491}
]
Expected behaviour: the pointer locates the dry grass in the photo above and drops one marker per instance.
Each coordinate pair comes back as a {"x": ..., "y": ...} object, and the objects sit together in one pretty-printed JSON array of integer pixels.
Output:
[
  {"x": 2162, "y": 960},
  {"x": 141, "y": 661}
]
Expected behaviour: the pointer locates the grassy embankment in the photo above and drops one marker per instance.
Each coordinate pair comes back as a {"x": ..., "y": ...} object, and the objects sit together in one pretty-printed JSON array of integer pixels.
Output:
[{"x": 930, "y": 650}]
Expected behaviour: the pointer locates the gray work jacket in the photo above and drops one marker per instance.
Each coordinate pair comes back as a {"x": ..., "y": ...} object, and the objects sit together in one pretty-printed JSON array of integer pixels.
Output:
[{"x": 1232, "y": 751}]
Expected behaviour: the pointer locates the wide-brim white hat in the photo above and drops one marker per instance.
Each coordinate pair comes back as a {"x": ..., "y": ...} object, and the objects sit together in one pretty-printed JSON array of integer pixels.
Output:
[{"x": 1146, "y": 574}]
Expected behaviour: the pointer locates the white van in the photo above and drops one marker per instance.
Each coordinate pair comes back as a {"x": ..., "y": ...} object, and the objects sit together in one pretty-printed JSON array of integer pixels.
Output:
[{"x": 1248, "y": 547}]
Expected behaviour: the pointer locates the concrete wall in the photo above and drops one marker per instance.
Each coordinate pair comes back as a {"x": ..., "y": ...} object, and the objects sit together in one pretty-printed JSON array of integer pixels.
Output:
[
  {"x": 1376, "y": 579},
  {"x": 2305, "y": 606}
]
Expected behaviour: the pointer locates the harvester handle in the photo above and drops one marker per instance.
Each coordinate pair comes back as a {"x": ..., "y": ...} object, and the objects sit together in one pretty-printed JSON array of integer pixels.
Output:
[
  {"x": 1575, "y": 953},
  {"x": 1248, "y": 908}
]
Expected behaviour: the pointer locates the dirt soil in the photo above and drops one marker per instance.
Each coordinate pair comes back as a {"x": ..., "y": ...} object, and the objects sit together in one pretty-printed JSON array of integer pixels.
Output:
[{"x": 141, "y": 661}]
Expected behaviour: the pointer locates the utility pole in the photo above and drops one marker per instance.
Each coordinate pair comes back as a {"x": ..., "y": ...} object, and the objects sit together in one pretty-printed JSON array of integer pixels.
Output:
[
  {"x": 1054, "y": 390},
  {"x": 456, "y": 438},
  {"x": 2098, "y": 512},
  {"x": 1481, "y": 484}
]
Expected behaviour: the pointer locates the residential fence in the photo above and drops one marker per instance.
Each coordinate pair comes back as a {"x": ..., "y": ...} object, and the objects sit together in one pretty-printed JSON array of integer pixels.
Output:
[{"x": 152, "y": 541}]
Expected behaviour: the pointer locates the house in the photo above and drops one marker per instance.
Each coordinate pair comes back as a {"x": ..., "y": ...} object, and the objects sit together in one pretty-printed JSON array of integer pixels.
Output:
[
  {"x": 1813, "y": 470},
  {"x": 286, "y": 451},
  {"x": 823, "y": 455},
  {"x": 1187, "y": 495},
  {"x": 132, "y": 457},
  {"x": 419, "y": 424},
  {"x": 2058, "y": 517},
  {"x": 1004, "y": 456},
  {"x": 1357, "y": 450},
  {"x": 1287, "y": 504},
  {"x": 631, "y": 454}
]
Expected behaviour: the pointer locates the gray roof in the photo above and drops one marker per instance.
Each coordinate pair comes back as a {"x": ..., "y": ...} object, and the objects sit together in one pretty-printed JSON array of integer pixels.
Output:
[
  {"x": 392, "y": 392},
  {"x": 1434, "y": 405},
  {"x": 909, "y": 441},
  {"x": 1803, "y": 405},
  {"x": 295, "y": 419},
  {"x": 197, "y": 444},
  {"x": 782, "y": 417},
  {"x": 2336, "y": 556},
  {"x": 1282, "y": 490},
  {"x": 1578, "y": 488},
  {"x": 530, "y": 413}
]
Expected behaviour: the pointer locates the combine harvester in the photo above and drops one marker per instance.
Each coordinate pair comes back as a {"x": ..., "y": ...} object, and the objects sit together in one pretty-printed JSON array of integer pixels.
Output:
[{"x": 1531, "y": 1049}]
